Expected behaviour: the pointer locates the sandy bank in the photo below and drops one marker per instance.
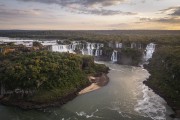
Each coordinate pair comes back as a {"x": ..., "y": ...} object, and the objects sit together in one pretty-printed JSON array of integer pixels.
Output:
[{"x": 97, "y": 83}]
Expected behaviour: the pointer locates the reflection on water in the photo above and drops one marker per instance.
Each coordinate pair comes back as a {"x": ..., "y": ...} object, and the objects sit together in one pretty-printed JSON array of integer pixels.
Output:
[{"x": 124, "y": 98}]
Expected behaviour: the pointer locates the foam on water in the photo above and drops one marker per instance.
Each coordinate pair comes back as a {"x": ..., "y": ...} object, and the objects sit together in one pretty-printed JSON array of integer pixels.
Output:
[
  {"x": 83, "y": 114},
  {"x": 118, "y": 110},
  {"x": 151, "y": 105}
]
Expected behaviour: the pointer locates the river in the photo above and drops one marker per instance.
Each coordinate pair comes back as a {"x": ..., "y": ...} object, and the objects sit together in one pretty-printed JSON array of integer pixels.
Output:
[{"x": 124, "y": 98}]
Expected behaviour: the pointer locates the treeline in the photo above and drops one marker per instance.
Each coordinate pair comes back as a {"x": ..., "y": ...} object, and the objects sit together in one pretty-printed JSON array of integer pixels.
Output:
[
  {"x": 45, "y": 76},
  {"x": 159, "y": 37}
]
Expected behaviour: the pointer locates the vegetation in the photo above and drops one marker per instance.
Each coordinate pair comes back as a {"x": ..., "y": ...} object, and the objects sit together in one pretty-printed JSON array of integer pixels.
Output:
[
  {"x": 130, "y": 56},
  {"x": 45, "y": 76},
  {"x": 142, "y": 36},
  {"x": 37, "y": 44},
  {"x": 164, "y": 68}
]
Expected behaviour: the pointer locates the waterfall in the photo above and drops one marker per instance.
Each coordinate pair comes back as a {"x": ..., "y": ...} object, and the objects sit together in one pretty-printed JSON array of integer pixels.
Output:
[
  {"x": 98, "y": 46},
  {"x": 90, "y": 52},
  {"x": 97, "y": 53},
  {"x": 88, "y": 45},
  {"x": 149, "y": 51},
  {"x": 100, "y": 52},
  {"x": 92, "y": 46},
  {"x": 73, "y": 47},
  {"x": 118, "y": 45},
  {"x": 101, "y": 45},
  {"x": 114, "y": 56},
  {"x": 133, "y": 45},
  {"x": 82, "y": 51},
  {"x": 140, "y": 46}
]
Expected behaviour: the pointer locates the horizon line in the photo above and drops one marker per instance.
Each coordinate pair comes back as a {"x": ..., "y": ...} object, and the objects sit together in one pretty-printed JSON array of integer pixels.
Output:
[{"x": 87, "y": 30}]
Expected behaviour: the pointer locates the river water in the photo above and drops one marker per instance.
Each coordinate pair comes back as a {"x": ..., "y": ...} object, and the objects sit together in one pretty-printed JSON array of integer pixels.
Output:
[{"x": 124, "y": 98}]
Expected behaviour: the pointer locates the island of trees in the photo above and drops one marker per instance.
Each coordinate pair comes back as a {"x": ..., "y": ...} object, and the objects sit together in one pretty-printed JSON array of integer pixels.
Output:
[{"x": 37, "y": 79}]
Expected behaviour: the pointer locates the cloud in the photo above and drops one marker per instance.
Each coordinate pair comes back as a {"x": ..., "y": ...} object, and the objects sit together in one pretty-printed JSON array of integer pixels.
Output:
[
  {"x": 170, "y": 20},
  {"x": 171, "y": 16},
  {"x": 2, "y": 5},
  {"x": 94, "y": 7},
  {"x": 86, "y": 3},
  {"x": 145, "y": 19},
  {"x": 17, "y": 12},
  {"x": 104, "y": 12},
  {"x": 174, "y": 11}
]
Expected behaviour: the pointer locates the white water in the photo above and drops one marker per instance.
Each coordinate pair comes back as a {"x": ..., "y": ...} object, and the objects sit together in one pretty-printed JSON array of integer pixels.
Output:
[
  {"x": 114, "y": 56},
  {"x": 151, "y": 105},
  {"x": 118, "y": 45},
  {"x": 149, "y": 51},
  {"x": 62, "y": 48}
]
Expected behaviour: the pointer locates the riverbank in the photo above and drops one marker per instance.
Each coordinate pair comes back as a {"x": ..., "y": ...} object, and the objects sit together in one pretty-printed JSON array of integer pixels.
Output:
[
  {"x": 165, "y": 80},
  {"x": 96, "y": 83},
  {"x": 28, "y": 105},
  {"x": 169, "y": 101}
]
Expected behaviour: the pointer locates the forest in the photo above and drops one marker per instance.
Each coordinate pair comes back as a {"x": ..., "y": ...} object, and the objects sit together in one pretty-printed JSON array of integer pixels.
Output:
[
  {"x": 164, "y": 68},
  {"x": 45, "y": 76},
  {"x": 125, "y": 36}
]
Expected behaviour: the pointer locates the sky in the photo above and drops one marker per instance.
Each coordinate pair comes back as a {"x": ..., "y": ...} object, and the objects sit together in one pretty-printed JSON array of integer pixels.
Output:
[{"x": 90, "y": 14}]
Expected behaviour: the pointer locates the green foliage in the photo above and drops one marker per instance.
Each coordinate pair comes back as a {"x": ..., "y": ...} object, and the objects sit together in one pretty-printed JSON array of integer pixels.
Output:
[
  {"x": 46, "y": 72},
  {"x": 130, "y": 56},
  {"x": 127, "y": 36},
  {"x": 37, "y": 44},
  {"x": 65, "y": 42},
  {"x": 164, "y": 68}
]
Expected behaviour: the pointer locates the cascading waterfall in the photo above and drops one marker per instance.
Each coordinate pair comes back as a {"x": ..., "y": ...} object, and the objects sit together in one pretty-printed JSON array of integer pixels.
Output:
[
  {"x": 97, "y": 53},
  {"x": 89, "y": 49},
  {"x": 114, "y": 56},
  {"x": 82, "y": 52},
  {"x": 73, "y": 47},
  {"x": 100, "y": 52},
  {"x": 88, "y": 45},
  {"x": 92, "y": 46},
  {"x": 140, "y": 46},
  {"x": 133, "y": 45},
  {"x": 149, "y": 51},
  {"x": 90, "y": 52},
  {"x": 98, "y": 46},
  {"x": 118, "y": 45}
]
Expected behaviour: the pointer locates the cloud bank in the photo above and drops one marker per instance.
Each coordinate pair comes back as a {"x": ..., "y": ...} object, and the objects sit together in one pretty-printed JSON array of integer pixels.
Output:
[{"x": 94, "y": 7}]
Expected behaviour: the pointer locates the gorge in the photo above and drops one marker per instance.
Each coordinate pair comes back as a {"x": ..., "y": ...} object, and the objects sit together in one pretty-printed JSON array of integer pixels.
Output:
[{"x": 125, "y": 97}]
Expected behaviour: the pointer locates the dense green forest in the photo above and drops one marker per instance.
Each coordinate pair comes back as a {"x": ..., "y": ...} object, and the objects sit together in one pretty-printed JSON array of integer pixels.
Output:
[
  {"x": 164, "y": 68},
  {"x": 46, "y": 76}
]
